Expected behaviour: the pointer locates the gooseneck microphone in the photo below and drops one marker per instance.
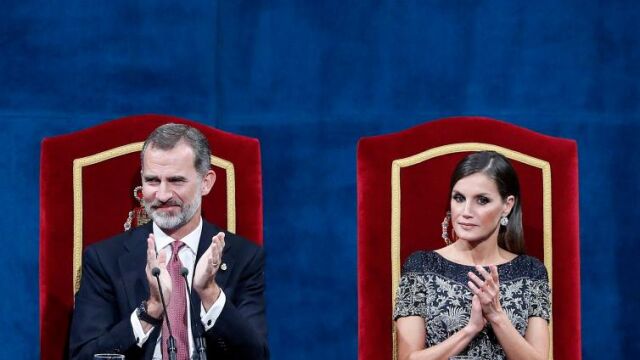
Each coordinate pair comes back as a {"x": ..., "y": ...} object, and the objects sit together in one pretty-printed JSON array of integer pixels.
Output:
[
  {"x": 198, "y": 331},
  {"x": 171, "y": 342}
]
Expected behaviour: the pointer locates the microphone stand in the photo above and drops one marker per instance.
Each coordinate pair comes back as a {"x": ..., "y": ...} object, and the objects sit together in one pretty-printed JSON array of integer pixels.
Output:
[
  {"x": 198, "y": 331},
  {"x": 171, "y": 342}
]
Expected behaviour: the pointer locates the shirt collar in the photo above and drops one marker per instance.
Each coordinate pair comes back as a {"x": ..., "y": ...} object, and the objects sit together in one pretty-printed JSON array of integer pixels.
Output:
[{"x": 191, "y": 240}]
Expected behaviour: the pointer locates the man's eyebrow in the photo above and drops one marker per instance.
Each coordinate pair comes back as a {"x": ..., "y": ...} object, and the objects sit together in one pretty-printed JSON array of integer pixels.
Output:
[
  {"x": 177, "y": 178},
  {"x": 150, "y": 177}
]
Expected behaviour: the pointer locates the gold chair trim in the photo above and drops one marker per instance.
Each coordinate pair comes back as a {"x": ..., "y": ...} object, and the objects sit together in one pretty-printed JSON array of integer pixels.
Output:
[
  {"x": 79, "y": 164},
  {"x": 398, "y": 164}
]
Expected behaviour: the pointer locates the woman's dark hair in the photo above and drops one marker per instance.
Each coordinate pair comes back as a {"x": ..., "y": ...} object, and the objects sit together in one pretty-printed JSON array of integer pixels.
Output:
[{"x": 498, "y": 168}]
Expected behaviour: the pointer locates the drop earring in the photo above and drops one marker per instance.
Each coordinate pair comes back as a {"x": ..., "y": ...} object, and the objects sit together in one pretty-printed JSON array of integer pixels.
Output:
[
  {"x": 504, "y": 221},
  {"x": 445, "y": 228}
]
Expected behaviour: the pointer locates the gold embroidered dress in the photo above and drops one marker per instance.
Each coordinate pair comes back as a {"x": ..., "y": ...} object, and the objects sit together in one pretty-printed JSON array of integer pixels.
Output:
[{"x": 435, "y": 289}]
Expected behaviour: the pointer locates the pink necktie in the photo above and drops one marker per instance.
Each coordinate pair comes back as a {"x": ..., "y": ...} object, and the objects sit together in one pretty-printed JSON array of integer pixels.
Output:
[{"x": 177, "y": 308}]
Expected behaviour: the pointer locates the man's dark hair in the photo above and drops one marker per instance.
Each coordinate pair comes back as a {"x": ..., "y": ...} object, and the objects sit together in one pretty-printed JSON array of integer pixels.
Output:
[{"x": 167, "y": 136}]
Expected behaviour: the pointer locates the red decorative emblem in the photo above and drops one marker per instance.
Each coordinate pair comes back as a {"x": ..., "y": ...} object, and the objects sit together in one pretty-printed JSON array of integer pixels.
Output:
[{"x": 138, "y": 216}]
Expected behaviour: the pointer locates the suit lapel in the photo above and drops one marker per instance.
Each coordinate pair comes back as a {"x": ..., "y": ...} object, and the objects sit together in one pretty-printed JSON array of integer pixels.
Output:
[{"x": 132, "y": 267}]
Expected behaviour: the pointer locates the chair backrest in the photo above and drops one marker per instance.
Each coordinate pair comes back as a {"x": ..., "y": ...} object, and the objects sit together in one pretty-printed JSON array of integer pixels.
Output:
[
  {"x": 87, "y": 179},
  {"x": 403, "y": 193}
]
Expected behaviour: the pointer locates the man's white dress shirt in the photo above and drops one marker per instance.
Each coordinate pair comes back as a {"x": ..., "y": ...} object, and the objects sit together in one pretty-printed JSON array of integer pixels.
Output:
[{"x": 187, "y": 256}]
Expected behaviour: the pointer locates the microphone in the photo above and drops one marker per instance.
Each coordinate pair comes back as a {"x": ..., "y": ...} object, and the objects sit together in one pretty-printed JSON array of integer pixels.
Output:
[
  {"x": 171, "y": 342},
  {"x": 201, "y": 346}
]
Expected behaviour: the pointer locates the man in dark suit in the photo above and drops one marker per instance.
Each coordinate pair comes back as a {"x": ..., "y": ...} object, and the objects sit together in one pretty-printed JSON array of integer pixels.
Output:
[{"x": 118, "y": 307}]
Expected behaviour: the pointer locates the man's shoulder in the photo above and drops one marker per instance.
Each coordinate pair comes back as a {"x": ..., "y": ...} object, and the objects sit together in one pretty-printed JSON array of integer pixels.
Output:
[
  {"x": 241, "y": 242},
  {"x": 237, "y": 242},
  {"x": 123, "y": 239}
]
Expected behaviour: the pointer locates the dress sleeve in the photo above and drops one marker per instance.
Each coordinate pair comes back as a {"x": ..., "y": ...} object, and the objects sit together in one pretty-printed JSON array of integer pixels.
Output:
[
  {"x": 411, "y": 297},
  {"x": 540, "y": 304}
]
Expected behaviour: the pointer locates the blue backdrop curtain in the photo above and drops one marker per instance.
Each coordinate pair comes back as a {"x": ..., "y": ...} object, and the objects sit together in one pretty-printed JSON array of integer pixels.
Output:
[{"x": 309, "y": 79}]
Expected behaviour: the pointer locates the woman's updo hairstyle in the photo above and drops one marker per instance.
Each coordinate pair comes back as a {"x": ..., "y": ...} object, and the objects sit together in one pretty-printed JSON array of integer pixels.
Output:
[{"x": 497, "y": 167}]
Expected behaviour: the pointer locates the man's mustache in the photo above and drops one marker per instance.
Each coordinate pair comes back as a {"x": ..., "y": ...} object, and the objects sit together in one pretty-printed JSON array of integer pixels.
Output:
[{"x": 158, "y": 204}]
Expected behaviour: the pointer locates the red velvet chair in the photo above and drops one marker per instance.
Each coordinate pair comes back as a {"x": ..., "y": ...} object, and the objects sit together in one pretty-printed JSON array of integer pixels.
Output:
[
  {"x": 86, "y": 192},
  {"x": 403, "y": 181}
]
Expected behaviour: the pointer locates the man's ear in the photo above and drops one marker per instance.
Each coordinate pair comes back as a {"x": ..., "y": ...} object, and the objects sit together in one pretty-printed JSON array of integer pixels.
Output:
[{"x": 207, "y": 182}]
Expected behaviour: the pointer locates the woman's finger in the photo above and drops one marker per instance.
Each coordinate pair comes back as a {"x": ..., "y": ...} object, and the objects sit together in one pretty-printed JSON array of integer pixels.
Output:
[
  {"x": 494, "y": 274},
  {"x": 474, "y": 289},
  {"x": 479, "y": 282},
  {"x": 489, "y": 278},
  {"x": 482, "y": 295},
  {"x": 481, "y": 270},
  {"x": 476, "y": 303}
]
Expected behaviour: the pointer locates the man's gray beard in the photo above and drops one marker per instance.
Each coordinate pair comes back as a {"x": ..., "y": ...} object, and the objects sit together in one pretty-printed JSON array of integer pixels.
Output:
[{"x": 171, "y": 222}]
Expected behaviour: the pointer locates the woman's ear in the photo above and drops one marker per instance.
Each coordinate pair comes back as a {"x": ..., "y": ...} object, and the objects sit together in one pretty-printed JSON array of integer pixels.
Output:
[{"x": 508, "y": 205}]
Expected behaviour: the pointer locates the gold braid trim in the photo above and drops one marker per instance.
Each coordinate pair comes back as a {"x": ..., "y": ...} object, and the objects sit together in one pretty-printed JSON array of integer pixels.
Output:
[
  {"x": 398, "y": 164},
  {"x": 79, "y": 164}
]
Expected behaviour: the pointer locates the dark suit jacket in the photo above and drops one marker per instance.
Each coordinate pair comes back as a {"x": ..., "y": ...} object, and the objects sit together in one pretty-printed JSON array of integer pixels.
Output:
[{"x": 114, "y": 283}]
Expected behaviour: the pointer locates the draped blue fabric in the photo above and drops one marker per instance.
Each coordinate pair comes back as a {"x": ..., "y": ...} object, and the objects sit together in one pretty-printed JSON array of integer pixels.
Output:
[{"x": 309, "y": 79}]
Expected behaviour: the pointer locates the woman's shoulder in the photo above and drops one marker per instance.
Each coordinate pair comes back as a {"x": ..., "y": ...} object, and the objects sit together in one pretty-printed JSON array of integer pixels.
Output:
[
  {"x": 418, "y": 261},
  {"x": 531, "y": 266}
]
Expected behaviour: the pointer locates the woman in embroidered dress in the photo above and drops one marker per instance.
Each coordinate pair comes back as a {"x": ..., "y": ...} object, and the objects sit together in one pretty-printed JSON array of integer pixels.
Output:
[{"x": 480, "y": 295}]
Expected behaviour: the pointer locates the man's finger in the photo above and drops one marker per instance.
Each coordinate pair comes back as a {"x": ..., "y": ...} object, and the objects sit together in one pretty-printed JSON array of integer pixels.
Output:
[
  {"x": 162, "y": 259},
  {"x": 219, "y": 238},
  {"x": 151, "y": 253}
]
